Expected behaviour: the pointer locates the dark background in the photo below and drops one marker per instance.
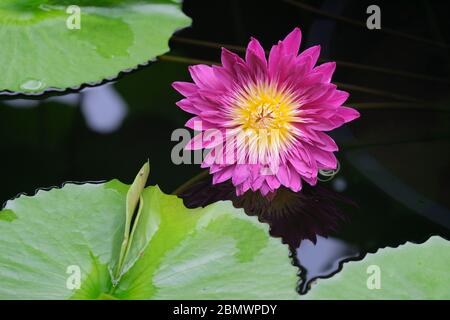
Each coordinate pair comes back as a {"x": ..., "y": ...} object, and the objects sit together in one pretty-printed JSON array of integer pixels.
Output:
[{"x": 395, "y": 159}]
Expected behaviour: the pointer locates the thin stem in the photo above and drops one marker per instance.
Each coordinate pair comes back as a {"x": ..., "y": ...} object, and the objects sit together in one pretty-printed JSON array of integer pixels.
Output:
[
  {"x": 397, "y": 105},
  {"x": 376, "y": 92},
  {"x": 209, "y": 44},
  {"x": 356, "y": 146},
  {"x": 185, "y": 60},
  {"x": 357, "y": 23},
  {"x": 340, "y": 63},
  {"x": 185, "y": 186}
]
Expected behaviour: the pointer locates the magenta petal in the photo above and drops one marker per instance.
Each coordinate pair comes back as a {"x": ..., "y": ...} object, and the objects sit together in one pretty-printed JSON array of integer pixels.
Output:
[
  {"x": 240, "y": 173},
  {"x": 196, "y": 143},
  {"x": 291, "y": 44},
  {"x": 348, "y": 114},
  {"x": 325, "y": 124},
  {"x": 205, "y": 77},
  {"x": 245, "y": 186},
  {"x": 210, "y": 159},
  {"x": 199, "y": 124},
  {"x": 295, "y": 182},
  {"x": 265, "y": 189},
  {"x": 313, "y": 94},
  {"x": 257, "y": 183},
  {"x": 326, "y": 143},
  {"x": 187, "y": 106},
  {"x": 311, "y": 180},
  {"x": 213, "y": 116},
  {"x": 255, "y": 47},
  {"x": 300, "y": 166},
  {"x": 272, "y": 182},
  {"x": 326, "y": 70},
  {"x": 223, "y": 76},
  {"x": 283, "y": 175},
  {"x": 229, "y": 59},
  {"x": 187, "y": 89},
  {"x": 239, "y": 190},
  {"x": 325, "y": 159},
  {"x": 257, "y": 66},
  {"x": 283, "y": 55},
  {"x": 223, "y": 175},
  {"x": 338, "y": 98},
  {"x": 309, "y": 57}
]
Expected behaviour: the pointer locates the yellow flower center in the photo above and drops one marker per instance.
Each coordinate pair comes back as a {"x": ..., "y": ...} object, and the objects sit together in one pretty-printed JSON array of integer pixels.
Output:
[{"x": 266, "y": 114}]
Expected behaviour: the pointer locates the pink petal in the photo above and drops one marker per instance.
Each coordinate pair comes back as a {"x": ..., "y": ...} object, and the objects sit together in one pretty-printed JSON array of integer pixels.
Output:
[
  {"x": 217, "y": 117},
  {"x": 229, "y": 59},
  {"x": 257, "y": 183},
  {"x": 255, "y": 47},
  {"x": 199, "y": 124},
  {"x": 187, "y": 106},
  {"x": 264, "y": 189},
  {"x": 240, "y": 174},
  {"x": 187, "y": 89},
  {"x": 257, "y": 67},
  {"x": 272, "y": 182},
  {"x": 195, "y": 143},
  {"x": 204, "y": 77},
  {"x": 326, "y": 143},
  {"x": 284, "y": 53},
  {"x": 291, "y": 44},
  {"x": 325, "y": 159},
  {"x": 323, "y": 124},
  {"x": 348, "y": 114},
  {"x": 326, "y": 70},
  {"x": 295, "y": 182},
  {"x": 311, "y": 180},
  {"x": 309, "y": 57},
  {"x": 223, "y": 175},
  {"x": 338, "y": 97},
  {"x": 283, "y": 175}
]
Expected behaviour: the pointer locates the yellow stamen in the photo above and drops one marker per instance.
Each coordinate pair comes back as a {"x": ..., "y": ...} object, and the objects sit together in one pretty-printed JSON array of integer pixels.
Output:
[{"x": 266, "y": 114}]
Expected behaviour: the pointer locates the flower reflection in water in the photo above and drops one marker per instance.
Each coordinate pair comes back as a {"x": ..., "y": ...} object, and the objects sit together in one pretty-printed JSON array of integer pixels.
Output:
[
  {"x": 293, "y": 216},
  {"x": 304, "y": 220}
]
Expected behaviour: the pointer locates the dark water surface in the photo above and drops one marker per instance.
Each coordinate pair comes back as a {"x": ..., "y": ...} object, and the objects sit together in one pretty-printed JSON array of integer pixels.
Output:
[{"x": 395, "y": 160}]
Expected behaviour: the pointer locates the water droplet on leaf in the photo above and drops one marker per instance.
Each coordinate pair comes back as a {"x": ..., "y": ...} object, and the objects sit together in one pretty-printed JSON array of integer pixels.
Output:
[{"x": 32, "y": 85}]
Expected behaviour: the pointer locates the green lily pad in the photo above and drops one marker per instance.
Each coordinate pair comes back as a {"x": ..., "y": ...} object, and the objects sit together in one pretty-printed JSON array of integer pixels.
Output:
[
  {"x": 412, "y": 271},
  {"x": 43, "y": 49},
  {"x": 217, "y": 252}
]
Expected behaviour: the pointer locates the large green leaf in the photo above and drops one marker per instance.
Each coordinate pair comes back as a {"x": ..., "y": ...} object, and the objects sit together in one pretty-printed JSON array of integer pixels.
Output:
[
  {"x": 174, "y": 252},
  {"x": 78, "y": 225},
  {"x": 213, "y": 253},
  {"x": 411, "y": 271},
  {"x": 40, "y": 52}
]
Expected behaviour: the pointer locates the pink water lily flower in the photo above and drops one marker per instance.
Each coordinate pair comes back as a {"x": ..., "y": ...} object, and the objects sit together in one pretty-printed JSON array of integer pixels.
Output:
[{"x": 281, "y": 106}]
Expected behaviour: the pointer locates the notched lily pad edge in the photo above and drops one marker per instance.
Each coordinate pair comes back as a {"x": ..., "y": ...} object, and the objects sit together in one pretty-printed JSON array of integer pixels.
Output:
[
  {"x": 46, "y": 189},
  {"x": 308, "y": 285},
  {"x": 37, "y": 191},
  {"x": 53, "y": 91},
  {"x": 303, "y": 286},
  {"x": 292, "y": 251},
  {"x": 301, "y": 273}
]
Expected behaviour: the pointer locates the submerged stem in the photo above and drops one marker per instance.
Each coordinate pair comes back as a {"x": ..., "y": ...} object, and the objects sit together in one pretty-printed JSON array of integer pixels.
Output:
[
  {"x": 340, "y": 63},
  {"x": 357, "y": 23},
  {"x": 190, "y": 182}
]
